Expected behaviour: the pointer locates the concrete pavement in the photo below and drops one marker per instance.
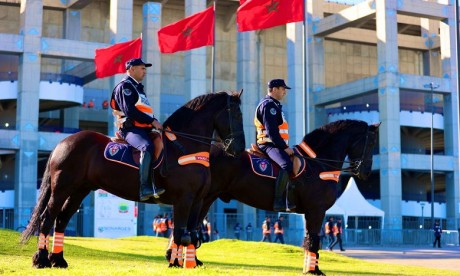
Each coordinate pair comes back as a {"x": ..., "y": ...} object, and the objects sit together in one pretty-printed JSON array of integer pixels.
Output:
[{"x": 439, "y": 258}]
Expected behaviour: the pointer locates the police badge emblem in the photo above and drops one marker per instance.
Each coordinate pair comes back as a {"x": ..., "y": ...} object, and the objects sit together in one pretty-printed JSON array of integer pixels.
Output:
[
  {"x": 263, "y": 165},
  {"x": 127, "y": 92},
  {"x": 273, "y": 111},
  {"x": 113, "y": 150}
]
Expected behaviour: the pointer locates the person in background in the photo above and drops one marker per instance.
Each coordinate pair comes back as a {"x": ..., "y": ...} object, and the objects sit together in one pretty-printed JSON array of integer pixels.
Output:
[
  {"x": 249, "y": 231},
  {"x": 437, "y": 234},
  {"x": 272, "y": 139},
  {"x": 105, "y": 104},
  {"x": 155, "y": 225},
  {"x": 135, "y": 121},
  {"x": 266, "y": 230},
  {"x": 163, "y": 226},
  {"x": 329, "y": 229},
  {"x": 91, "y": 103},
  {"x": 237, "y": 230},
  {"x": 338, "y": 235},
  {"x": 206, "y": 230},
  {"x": 279, "y": 230},
  {"x": 169, "y": 225}
]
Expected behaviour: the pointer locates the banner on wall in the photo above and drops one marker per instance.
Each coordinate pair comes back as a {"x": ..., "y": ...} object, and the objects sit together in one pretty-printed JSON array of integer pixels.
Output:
[{"x": 114, "y": 217}]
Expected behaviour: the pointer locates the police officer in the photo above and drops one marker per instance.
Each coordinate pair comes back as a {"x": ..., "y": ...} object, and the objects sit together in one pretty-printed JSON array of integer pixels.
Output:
[
  {"x": 437, "y": 234},
  {"x": 279, "y": 230},
  {"x": 273, "y": 136},
  {"x": 266, "y": 230},
  {"x": 135, "y": 121}
]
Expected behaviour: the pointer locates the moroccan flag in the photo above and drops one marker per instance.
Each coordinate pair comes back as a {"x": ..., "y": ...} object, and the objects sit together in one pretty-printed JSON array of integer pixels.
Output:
[
  {"x": 262, "y": 14},
  {"x": 189, "y": 33},
  {"x": 111, "y": 60}
]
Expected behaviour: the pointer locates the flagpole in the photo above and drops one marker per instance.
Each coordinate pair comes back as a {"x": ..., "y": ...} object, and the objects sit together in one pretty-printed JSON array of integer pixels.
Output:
[
  {"x": 305, "y": 73},
  {"x": 213, "y": 50}
]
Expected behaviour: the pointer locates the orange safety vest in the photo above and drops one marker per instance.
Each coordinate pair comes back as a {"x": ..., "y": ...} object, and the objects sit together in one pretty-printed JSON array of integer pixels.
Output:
[
  {"x": 265, "y": 228},
  {"x": 277, "y": 230},
  {"x": 155, "y": 225},
  {"x": 326, "y": 228},
  {"x": 209, "y": 228},
  {"x": 335, "y": 229},
  {"x": 142, "y": 105},
  {"x": 262, "y": 137},
  {"x": 162, "y": 227}
]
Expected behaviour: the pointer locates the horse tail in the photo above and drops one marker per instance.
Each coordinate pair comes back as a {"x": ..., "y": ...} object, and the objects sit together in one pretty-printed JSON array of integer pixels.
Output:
[{"x": 45, "y": 194}]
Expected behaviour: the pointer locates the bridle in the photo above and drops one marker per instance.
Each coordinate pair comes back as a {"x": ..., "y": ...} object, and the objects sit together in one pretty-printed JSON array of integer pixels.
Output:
[
  {"x": 355, "y": 164},
  {"x": 226, "y": 142}
]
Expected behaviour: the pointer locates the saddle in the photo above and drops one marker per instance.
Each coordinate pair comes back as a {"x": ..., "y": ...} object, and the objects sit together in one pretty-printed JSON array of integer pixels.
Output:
[
  {"x": 262, "y": 165},
  {"x": 121, "y": 152},
  {"x": 118, "y": 150}
]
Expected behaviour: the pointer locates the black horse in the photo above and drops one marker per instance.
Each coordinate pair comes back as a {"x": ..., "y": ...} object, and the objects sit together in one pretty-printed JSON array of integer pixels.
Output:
[
  {"x": 315, "y": 187},
  {"x": 78, "y": 166}
]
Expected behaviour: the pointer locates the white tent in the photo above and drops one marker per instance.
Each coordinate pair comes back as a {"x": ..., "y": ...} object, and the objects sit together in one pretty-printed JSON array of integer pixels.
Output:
[{"x": 353, "y": 204}]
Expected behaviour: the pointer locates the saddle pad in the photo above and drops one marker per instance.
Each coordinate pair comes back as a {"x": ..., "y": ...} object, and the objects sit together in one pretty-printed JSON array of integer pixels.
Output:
[
  {"x": 267, "y": 168},
  {"x": 263, "y": 166},
  {"x": 126, "y": 155}
]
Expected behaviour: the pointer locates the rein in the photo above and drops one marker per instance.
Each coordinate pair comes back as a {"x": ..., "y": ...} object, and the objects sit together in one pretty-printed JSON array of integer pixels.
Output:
[
  {"x": 354, "y": 164},
  {"x": 199, "y": 139}
]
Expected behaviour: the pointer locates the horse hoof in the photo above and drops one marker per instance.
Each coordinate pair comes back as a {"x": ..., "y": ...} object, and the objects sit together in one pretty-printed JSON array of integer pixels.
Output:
[
  {"x": 40, "y": 259},
  {"x": 315, "y": 272},
  {"x": 186, "y": 239},
  {"x": 168, "y": 254},
  {"x": 198, "y": 262},
  {"x": 57, "y": 260},
  {"x": 175, "y": 264}
]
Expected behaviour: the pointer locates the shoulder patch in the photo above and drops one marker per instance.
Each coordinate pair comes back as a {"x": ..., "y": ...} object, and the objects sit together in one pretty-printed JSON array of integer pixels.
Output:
[
  {"x": 127, "y": 92},
  {"x": 273, "y": 111}
]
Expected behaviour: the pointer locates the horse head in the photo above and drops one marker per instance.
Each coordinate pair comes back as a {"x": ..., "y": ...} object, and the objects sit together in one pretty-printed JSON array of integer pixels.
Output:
[
  {"x": 360, "y": 152},
  {"x": 229, "y": 125}
]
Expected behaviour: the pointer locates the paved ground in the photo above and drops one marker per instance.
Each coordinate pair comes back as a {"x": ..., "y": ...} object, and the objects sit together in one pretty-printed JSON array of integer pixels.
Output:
[{"x": 442, "y": 258}]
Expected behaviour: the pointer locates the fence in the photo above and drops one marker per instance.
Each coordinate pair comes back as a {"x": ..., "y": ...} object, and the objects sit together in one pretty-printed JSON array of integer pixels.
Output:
[
  {"x": 293, "y": 226},
  {"x": 414, "y": 237}
]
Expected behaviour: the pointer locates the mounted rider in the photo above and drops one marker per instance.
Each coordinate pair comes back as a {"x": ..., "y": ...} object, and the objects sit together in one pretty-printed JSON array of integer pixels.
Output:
[
  {"x": 273, "y": 136},
  {"x": 135, "y": 121}
]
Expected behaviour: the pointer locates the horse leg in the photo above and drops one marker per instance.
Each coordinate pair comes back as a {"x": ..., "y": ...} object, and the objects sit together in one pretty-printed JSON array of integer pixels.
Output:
[
  {"x": 181, "y": 236},
  {"x": 311, "y": 243},
  {"x": 40, "y": 258},
  {"x": 71, "y": 206},
  {"x": 193, "y": 224}
]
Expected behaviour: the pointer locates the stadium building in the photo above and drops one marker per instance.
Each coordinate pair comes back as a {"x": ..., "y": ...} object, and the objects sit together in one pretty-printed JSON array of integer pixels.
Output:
[{"x": 387, "y": 61}]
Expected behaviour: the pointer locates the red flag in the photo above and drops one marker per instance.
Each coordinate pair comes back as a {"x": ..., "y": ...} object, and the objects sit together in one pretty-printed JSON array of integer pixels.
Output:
[
  {"x": 189, "y": 33},
  {"x": 111, "y": 60},
  {"x": 262, "y": 14}
]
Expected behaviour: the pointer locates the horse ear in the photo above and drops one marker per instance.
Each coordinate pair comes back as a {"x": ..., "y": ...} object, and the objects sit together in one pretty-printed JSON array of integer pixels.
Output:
[
  {"x": 239, "y": 94},
  {"x": 375, "y": 126}
]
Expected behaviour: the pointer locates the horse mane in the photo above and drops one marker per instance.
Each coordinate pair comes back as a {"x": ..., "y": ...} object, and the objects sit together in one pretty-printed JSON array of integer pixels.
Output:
[
  {"x": 182, "y": 116},
  {"x": 324, "y": 133}
]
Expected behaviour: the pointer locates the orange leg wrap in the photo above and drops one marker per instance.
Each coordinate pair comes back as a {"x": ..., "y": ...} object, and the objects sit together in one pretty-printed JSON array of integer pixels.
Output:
[
  {"x": 58, "y": 242},
  {"x": 190, "y": 254},
  {"x": 43, "y": 241},
  {"x": 310, "y": 261},
  {"x": 176, "y": 253}
]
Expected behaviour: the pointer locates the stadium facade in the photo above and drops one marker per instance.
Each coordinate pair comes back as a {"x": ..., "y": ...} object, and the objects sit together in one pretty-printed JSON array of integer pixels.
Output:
[{"x": 393, "y": 62}]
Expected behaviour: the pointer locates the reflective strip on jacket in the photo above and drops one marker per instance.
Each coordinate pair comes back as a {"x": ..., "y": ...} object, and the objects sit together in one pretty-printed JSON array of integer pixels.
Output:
[{"x": 262, "y": 136}]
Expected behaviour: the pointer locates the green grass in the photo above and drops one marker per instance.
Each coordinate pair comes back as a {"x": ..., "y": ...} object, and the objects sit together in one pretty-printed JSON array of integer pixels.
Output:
[{"x": 145, "y": 256}]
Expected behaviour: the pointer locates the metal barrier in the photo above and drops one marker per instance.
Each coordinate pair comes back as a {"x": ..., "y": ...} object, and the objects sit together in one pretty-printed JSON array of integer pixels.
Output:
[
  {"x": 414, "y": 237},
  {"x": 293, "y": 226}
]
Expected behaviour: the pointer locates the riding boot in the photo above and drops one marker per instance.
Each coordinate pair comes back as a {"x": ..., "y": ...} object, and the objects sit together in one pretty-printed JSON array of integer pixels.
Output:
[
  {"x": 281, "y": 203},
  {"x": 147, "y": 187}
]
